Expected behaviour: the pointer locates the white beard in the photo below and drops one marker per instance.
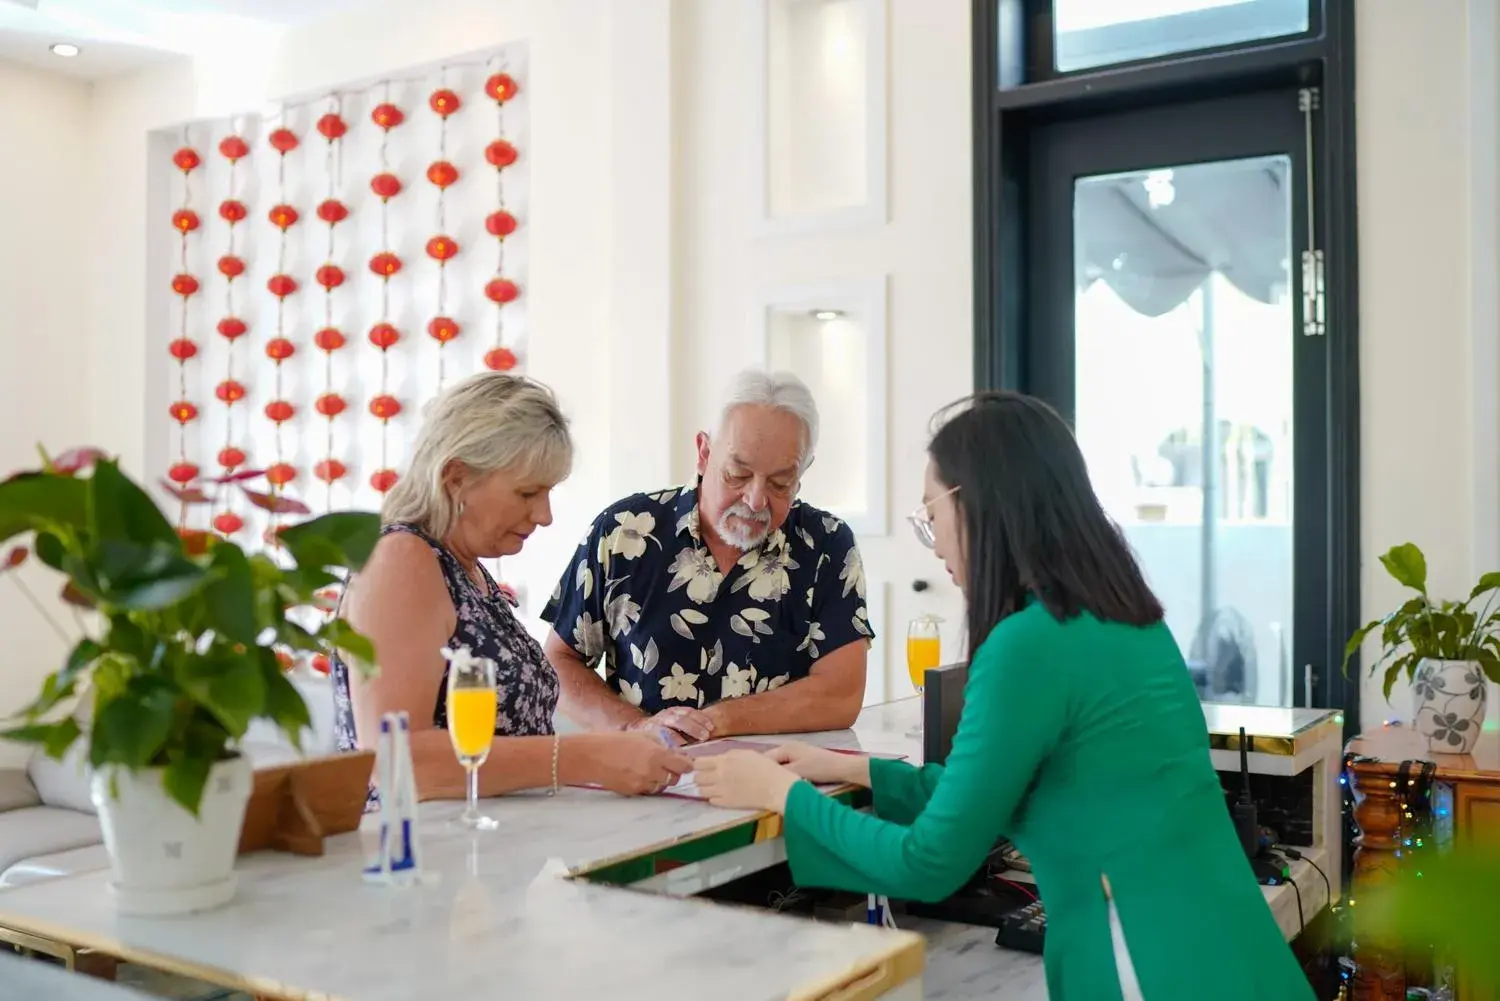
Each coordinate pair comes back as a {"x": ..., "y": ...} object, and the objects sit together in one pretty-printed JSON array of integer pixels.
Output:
[{"x": 748, "y": 529}]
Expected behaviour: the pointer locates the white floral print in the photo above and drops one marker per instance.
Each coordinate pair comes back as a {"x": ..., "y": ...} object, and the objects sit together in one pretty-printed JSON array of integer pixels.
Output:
[
  {"x": 696, "y": 570},
  {"x": 630, "y": 534},
  {"x": 680, "y": 685}
]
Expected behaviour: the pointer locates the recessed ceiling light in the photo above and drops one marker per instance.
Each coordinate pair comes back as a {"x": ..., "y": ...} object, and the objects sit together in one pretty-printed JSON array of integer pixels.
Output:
[
  {"x": 827, "y": 314},
  {"x": 65, "y": 49}
]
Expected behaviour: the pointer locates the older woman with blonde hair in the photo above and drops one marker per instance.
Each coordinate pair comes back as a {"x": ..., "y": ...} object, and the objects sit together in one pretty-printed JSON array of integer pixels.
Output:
[{"x": 488, "y": 455}]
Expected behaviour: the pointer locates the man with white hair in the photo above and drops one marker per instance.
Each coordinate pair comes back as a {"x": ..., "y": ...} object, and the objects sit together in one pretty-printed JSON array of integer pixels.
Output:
[{"x": 724, "y": 607}]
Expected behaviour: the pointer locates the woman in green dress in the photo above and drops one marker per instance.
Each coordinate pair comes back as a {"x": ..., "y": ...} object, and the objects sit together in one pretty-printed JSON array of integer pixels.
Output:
[{"x": 1081, "y": 739}]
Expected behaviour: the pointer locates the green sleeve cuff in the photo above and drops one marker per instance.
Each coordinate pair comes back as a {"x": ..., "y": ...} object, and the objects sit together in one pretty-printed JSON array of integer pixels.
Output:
[
  {"x": 808, "y": 811},
  {"x": 900, "y": 790}
]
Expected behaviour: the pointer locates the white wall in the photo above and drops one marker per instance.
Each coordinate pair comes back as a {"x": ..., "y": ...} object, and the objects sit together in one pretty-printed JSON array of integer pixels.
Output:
[{"x": 44, "y": 376}]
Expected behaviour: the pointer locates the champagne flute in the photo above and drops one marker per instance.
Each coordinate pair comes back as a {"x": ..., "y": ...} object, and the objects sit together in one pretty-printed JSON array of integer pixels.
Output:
[
  {"x": 472, "y": 706},
  {"x": 924, "y": 651}
]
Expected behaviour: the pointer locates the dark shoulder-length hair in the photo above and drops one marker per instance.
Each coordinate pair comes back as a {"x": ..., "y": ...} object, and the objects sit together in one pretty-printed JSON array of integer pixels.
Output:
[{"x": 1029, "y": 520}]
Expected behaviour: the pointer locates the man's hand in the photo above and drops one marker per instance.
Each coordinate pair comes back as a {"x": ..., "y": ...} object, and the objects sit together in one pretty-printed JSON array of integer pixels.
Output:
[{"x": 691, "y": 724}]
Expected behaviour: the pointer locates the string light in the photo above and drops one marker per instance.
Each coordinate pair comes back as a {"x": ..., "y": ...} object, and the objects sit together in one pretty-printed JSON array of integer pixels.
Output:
[
  {"x": 385, "y": 264},
  {"x": 330, "y": 276},
  {"x": 279, "y": 348},
  {"x": 500, "y": 87},
  {"x": 185, "y": 285},
  {"x": 443, "y": 248}
]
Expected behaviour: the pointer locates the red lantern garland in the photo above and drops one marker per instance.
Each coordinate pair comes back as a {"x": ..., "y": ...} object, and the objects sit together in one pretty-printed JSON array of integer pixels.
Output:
[
  {"x": 442, "y": 248},
  {"x": 283, "y": 216},
  {"x": 183, "y": 348},
  {"x": 234, "y": 149},
  {"x": 500, "y": 154},
  {"x": 330, "y": 276},
  {"x": 385, "y": 264}
]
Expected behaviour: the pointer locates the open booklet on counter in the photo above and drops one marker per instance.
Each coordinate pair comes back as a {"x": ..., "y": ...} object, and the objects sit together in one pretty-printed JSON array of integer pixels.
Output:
[{"x": 686, "y": 787}]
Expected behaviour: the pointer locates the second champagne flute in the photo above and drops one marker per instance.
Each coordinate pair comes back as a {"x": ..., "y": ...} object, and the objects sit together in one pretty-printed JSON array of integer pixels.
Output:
[{"x": 472, "y": 705}]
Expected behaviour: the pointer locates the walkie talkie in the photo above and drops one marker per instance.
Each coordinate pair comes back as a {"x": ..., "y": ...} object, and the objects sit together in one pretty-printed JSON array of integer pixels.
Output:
[{"x": 1246, "y": 821}]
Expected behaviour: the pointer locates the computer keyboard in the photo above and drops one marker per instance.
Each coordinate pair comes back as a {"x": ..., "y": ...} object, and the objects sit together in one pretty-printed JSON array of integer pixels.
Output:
[{"x": 1024, "y": 929}]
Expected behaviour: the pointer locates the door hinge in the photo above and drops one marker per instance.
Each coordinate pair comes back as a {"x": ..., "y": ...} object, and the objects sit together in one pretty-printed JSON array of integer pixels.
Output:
[
  {"x": 1307, "y": 99},
  {"x": 1314, "y": 300}
]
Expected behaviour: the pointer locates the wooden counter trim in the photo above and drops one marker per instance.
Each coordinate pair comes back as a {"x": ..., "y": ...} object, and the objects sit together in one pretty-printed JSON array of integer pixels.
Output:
[{"x": 903, "y": 963}]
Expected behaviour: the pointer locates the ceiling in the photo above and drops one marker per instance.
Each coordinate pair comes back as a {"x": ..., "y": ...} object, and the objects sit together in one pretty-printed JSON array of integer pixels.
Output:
[{"x": 120, "y": 36}]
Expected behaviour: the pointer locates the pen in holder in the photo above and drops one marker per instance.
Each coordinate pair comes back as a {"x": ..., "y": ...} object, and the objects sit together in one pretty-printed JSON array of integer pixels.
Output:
[{"x": 400, "y": 852}]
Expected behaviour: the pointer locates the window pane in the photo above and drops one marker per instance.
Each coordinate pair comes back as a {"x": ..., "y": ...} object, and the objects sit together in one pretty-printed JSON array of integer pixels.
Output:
[
  {"x": 1092, "y": 33},
  {"x": 1183, "y": 376}
]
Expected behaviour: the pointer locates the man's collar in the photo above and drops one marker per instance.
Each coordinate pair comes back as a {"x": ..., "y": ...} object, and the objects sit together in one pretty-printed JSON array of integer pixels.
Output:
[{"x": 685, "y": 510}]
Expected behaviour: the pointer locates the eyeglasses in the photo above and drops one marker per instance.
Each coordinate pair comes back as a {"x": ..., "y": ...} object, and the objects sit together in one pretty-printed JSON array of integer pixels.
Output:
[{"x": 921, "y": 519}]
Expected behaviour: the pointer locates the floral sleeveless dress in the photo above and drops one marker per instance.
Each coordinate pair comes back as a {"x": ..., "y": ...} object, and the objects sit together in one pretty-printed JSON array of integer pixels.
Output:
[{"x": 487, "y": 624}]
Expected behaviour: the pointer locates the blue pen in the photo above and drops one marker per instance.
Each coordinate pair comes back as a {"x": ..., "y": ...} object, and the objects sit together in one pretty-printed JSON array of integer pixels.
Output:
[{"x": 872, "y": 915}]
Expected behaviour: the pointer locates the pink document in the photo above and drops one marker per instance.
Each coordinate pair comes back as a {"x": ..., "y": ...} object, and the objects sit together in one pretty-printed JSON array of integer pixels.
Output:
[{"x": 687, "y": 787}]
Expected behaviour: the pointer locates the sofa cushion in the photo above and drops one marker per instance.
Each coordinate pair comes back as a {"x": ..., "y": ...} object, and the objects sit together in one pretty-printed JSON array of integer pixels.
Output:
[
  {"x": 16, "y": 790},
  {"x": 44, "y": 830},
  {"x": 55, "y": 865},
  {"x": 63, "y": 783}
]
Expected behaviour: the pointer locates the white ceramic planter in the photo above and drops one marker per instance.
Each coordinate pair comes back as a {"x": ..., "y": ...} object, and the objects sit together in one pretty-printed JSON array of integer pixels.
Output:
[
  {"x": 1450, "y": 698},
  {"x": 165, "y": 860}
]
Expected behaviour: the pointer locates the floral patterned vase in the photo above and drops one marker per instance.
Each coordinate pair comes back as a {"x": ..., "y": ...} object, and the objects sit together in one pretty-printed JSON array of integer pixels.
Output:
[{"x": 1450, "y": 704}]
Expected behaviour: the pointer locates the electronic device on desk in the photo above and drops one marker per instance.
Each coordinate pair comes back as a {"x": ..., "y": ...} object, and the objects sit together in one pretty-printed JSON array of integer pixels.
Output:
[
  {"x": 1025, "y": 929},
  {"x": 1271, "y": 868},
  {"x": 942, "y": 703}
]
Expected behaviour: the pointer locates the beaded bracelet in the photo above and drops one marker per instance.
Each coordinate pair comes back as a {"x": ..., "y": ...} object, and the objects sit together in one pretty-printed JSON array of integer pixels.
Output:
[{"x": 556, "y": 747}]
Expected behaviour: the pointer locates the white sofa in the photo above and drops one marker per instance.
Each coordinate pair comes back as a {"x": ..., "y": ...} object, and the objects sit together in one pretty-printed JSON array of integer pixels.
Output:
[{"x": 47, "y": 823}]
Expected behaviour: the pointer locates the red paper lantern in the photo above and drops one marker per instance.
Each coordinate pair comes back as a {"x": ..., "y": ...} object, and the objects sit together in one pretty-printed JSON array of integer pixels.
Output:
[
  {"x": 231, "y": 267},
  {"x": 280, "y": 474},
  {"x": 387, "y": 116},
  {"x": 442, "y": 248},
  {"x": 383, "y": 479},
  {"x": 444, "y": 102},
  {"x": 280, "y": 349},
  {"x": 230, "y": 391},
  {"x": 329, "y": 470},
  {"x": 182, "y": 473},
  {"x": 185, "y": 220},
  {"x": 233, "y": 148},
  {"x": 182, "y": 411},
  {"x": 282, "y": 286},
  {"x": 386, "y": 186},
  {"x": 186, "y": 159},
  {"x": 283, "y": 217},
  {"x": 500, "y": 359},
  {"x": 184, "y": 285},
  {"x": 330, "y": 339},
  {"x": 227, "y": 523},
  {"x": 501, "y": 87},
  {"x": 502, "y": 290},
  {"x": 332, "y": 127},
  {"x": 320, "y": 663},
  {"x": 384, "y": 336},
  {"x": 182, "y": 349},
  {"x": 385, "y": 264},
  {"x": 233, "y": 210},
  {"x": 280, "y": 411},
  {"x": 330, "y": 276},
  {"x": 501, "y": 224},
  {"x": 231, "y": 327},
  {"x": 330, "y": 405},
  {"x": 231, "y": 457},
  {"x": 332, "y": 211},
  {"x": 443, "y": 329},
  {"x": 500, "y": 154},
  {"x": 442, "y": 173},
  {"x": 385, "y": 406},
  {"x": 283, "y": 140}
]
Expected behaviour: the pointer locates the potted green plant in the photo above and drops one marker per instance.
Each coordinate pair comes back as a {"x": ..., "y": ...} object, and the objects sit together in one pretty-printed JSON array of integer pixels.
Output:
[
  {"x": 1447, "y": 649},
  {"x": 179, "y": 654}
]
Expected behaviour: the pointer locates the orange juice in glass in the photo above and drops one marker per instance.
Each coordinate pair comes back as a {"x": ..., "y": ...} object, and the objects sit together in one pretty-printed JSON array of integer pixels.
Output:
[
  {"x": 924, "y": 648},
  {"x": 472, "y": 705}
]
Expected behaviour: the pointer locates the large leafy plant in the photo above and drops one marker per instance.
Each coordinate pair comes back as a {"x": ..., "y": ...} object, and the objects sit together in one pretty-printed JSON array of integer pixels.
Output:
[
  {"x": 180, "y": 652},
  {"x": 1422, "y": 628}
]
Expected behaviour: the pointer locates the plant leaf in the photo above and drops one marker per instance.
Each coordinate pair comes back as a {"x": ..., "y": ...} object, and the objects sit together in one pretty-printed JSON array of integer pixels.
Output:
[
  {"x": 284, "y": 704},
  {"x": 342, "y": 539},
  {"x": 144, "y": 578},
  {"x": 275, "y": 503},
  {"x": 341, "y": 635},
  {"x": 50, "y": 549},
  {"x": 187, "y": 495},
  {"x": 230, "y": 595},
  {"x": 239, "y": 477},
  {"x": 75, "y": 460},
  {"x": 32, "y": 501},
  {"x": 131, "y": 728},
  {"x": 54, "y": 738},
  {"x": 60, "y": 684},
  {"x": 229, "y": 686},
  {"x": 1489, "y": 582},
  {"x": 1407, "y": 565},
  {"x": 185, "y": 778},
  {"x": 122, "y": 510}
]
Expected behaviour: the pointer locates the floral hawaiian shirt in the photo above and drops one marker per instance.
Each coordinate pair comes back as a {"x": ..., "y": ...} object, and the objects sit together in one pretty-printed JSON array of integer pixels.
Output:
[{"x": 644, "y": 593}]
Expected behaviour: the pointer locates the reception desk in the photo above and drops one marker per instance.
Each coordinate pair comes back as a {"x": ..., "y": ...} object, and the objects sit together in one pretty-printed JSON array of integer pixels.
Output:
[{"x": 581, "y": 895}]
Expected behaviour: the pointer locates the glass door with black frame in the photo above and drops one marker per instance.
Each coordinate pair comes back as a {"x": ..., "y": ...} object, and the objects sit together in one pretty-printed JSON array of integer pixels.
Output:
[{"x": 1165, "y": 323}]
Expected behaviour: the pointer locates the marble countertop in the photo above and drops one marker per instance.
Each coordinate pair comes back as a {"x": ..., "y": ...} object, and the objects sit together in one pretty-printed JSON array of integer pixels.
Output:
[{"x": 31, "y": 980}]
